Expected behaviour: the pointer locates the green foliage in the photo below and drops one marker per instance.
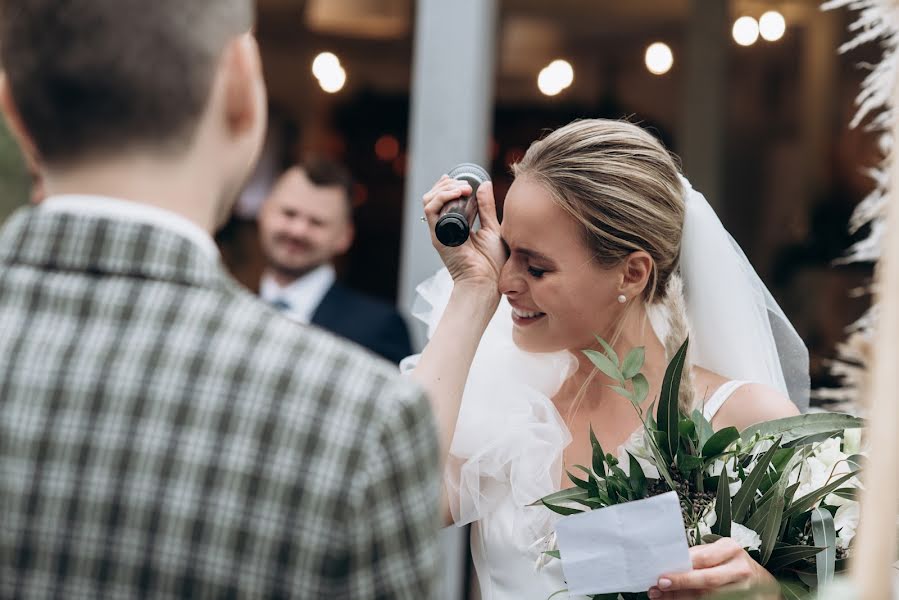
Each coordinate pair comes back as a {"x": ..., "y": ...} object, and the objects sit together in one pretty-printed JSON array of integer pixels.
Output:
[{"x": 690, "y": 456}]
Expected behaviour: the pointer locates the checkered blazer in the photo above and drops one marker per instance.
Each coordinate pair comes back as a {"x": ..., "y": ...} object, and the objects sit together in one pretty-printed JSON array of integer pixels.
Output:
[{"x": 164, "y": 434}]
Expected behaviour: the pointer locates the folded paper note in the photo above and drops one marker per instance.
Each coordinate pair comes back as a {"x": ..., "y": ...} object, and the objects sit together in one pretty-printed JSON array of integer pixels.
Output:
[{"x": 623, "y": 548}]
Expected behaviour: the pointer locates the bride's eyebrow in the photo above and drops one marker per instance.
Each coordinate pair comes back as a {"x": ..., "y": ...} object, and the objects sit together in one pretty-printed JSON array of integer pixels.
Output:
[{"x": 535, "y": 255}]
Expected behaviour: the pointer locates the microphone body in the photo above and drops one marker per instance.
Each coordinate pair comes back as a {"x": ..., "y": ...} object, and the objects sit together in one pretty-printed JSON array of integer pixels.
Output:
[{"x": 457, "y": 217}]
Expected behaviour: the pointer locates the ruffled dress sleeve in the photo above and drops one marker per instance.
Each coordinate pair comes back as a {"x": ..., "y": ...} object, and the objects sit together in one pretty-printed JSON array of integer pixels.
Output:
[{"x": 509, "y": 437}]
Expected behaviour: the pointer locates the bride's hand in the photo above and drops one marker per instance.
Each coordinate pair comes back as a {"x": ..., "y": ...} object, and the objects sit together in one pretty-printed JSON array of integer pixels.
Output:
[
  {"x": 479, "y": 260},
  {"x": 723, "y": 563}
]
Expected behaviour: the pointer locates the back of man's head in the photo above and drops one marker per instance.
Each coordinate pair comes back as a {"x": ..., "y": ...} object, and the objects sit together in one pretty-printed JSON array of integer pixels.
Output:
[{"x": 93, "y": 77}]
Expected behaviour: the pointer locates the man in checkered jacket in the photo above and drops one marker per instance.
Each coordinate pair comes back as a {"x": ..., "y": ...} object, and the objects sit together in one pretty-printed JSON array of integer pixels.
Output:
[{"x": 164, "y": 434}]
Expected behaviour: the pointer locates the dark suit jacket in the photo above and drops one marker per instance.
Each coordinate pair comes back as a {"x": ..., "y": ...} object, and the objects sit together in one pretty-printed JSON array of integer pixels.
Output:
[{"x": 365, "y": 321}]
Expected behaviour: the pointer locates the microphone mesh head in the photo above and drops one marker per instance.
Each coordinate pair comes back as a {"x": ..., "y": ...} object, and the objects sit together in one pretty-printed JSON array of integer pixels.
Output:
[{"x": 469, "y": 171}]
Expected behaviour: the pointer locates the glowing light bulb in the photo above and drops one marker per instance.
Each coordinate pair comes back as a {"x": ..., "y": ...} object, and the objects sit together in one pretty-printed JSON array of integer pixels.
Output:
[
  {"x": 746, "y": 31},
  {"x": 772, "y": 26},
  {"x": 333, "y": 81},
  {"x": 325, "y": 63},
  {"x": 555, "y": 77},
  {"x": 659, "y": 58}
]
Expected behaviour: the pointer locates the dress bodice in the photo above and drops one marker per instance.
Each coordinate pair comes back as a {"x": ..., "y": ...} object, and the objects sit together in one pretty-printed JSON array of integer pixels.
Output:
[{"x": 506, "y": 568}]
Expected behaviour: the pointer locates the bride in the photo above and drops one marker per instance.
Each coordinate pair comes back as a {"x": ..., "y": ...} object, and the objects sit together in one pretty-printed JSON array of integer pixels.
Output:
[{"x": 600, "y": 236}]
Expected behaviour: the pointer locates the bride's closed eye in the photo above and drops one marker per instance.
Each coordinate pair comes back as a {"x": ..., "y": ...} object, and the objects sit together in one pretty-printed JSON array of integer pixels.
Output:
[{"x": 536, "y": 273}]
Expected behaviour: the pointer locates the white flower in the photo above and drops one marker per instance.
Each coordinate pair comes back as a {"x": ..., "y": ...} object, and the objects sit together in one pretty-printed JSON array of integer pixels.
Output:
[
  {"x": 746, "y": 537},
  {"x": 827, "y": 463},
  {"x": 638, "y": 446},
  {"x": 845, "y": 522}
]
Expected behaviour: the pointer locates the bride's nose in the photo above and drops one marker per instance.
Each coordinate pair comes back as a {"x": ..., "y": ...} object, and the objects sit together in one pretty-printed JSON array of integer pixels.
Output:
[{"x": 510, "y": 282}]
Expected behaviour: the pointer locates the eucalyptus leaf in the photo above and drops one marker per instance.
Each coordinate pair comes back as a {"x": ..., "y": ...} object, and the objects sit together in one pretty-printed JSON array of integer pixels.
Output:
[
  {"x": 784, "y": 555},
  {"x": 793, "y": 590},
  {"x": 633, "y": 362},
  {"x": 812, "y": 439},
  {"x": 598, "y": 455},
  {"x": 687, "y": 463},
  {"x": 720, "y": 441},
  {"x": 566, "y": 495},
  {"x": 686, "y": 428},
  {"x": 592, "y": 504},
  {"x": 808, "y": 501},
  {"x": 562, "y": 510},
  {"x": 584, "y": 485},
  {"x": 825, "y": 536},
  {"x": 722, "y": 505},
  {"x": 641, "y": 388},
  {"x": 592, "y": 480},
  {"x": 847, "y": 493},
  {"x": 610, "y": 352},
  {"x": 637, "y": 477},
  {"x": 742, "y": 500},
  {"x": 703, "y": 427},
  {"x": 771, "y": 527},
  {"x": 669, "y": 411},
  {"x": 799, "y": 426},
  {"x": 762, "y": 509},
  {"x": 605, "y": 365}
]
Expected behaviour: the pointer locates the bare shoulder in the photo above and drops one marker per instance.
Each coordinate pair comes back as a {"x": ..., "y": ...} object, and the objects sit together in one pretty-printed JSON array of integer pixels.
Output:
[{"x": 753, "y": 403}]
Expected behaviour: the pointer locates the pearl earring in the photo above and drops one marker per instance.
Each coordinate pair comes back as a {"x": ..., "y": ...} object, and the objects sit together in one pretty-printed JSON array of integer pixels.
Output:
[{"x": 622, "y": 299}]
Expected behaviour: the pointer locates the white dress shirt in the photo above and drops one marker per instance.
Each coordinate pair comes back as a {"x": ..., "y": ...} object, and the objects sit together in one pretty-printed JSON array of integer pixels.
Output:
[
  {"x": 303, "y": 295},
  {"x": 126, "y": 210}
]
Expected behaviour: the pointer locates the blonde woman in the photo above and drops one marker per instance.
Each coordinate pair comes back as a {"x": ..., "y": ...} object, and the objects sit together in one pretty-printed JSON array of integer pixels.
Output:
[{"x": 600, "y": 236}]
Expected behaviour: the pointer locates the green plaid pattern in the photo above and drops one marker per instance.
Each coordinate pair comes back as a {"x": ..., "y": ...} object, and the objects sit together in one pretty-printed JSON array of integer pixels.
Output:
[{"x": 165, "y": 434}]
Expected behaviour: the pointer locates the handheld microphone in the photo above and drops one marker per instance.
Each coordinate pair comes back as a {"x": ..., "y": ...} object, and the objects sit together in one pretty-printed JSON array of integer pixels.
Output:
[{"x": 457, "y": 216}]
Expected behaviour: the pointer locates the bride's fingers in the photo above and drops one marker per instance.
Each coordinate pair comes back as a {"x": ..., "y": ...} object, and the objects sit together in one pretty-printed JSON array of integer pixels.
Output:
[
  {"x": 487, "y": 207},
  {"x": 436, "y": 200},
  {"x": 443, "y": 184}
]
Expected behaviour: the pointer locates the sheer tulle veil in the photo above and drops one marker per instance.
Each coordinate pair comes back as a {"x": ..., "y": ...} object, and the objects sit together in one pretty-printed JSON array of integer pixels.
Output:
[{"x": 509, "y": 437}]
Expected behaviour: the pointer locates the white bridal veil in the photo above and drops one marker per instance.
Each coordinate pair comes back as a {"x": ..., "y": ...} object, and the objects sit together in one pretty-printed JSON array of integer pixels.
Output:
[{"x": 509, "y": 437}]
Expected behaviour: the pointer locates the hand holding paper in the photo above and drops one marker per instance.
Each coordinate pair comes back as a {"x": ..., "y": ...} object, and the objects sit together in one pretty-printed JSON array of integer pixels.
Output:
[{"x": 623, "y": 548}]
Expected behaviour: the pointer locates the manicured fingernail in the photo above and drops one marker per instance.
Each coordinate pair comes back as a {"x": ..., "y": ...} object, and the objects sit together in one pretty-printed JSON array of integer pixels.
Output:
[
  {"x": 654, "y": 593},
  {"x": 664, "y": 583}
]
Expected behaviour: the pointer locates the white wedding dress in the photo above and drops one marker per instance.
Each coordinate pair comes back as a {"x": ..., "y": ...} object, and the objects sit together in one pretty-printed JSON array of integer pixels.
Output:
[
  {"x": 507, "y": 452},
  {"x": 507, "y": 449}
]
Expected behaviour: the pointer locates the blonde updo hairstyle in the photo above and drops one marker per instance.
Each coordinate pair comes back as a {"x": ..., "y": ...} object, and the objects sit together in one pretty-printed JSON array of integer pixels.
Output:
[{"x": 621, "y": 184}]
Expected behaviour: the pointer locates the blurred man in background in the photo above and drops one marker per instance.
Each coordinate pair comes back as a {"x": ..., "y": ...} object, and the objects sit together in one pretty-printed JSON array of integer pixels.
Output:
[
  {"x": 163, "y": 433},
  {"x": 304, "y": 225}
]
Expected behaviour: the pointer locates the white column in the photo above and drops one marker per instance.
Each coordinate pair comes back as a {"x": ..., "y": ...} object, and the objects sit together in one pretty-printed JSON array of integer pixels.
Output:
[
  {"x": 453, "y": 72},
  {"x": 701, "y": 136},
  {"x": 453, "y": 75}
]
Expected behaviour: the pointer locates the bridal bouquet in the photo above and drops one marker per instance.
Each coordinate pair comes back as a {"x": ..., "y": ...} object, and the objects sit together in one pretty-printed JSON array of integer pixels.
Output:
[{"x": 785, "y": 490}]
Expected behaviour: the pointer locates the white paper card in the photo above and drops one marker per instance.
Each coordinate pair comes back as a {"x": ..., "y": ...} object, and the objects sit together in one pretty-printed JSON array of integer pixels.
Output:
[{"x": 623, "y": 548}]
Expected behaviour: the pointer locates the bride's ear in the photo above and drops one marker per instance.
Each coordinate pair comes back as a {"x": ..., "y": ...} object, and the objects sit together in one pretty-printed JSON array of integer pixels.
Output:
[{"x": 635, "y": 274}]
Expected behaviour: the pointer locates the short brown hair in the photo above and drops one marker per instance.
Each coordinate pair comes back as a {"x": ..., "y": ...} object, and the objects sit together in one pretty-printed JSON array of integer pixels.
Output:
[
  {"x": 324, "y": 172},
  {"x": 91, "y": 77}
]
